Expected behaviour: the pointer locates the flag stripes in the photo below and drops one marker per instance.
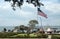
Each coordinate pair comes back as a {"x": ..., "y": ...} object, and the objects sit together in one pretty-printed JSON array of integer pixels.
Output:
[{"x": 41, "y": 13}]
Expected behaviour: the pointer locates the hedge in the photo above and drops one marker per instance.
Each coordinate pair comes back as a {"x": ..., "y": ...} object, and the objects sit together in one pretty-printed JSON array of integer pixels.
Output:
[
  {"x": 55, "y": 36},
  {"x": 19, "y": 35},
  {"x": 7, "y": 34},
  {"x": 30, "y": 36}
]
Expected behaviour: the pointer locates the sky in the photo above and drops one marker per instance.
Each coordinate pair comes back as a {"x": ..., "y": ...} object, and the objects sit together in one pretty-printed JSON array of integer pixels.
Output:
[{"x": 28, "y": 12}]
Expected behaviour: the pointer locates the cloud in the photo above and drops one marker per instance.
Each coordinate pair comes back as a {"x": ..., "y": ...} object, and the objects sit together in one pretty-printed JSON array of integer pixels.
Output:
[
  {"x": 11, "y": 22},
  {"x": 5, "y": 5},
  {"x": 53, "y": 7},
  {"x": 9, "y": 17},
  {"x": 29, "y": 12}
]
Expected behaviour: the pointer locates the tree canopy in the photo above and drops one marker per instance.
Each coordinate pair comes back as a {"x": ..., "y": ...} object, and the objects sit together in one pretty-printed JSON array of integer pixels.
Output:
[
  {"x": 19, "y": 3},
  {"x": 32, "y": 23}
]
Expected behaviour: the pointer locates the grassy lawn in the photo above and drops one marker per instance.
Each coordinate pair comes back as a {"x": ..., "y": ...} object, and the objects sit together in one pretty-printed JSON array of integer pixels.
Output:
[
  {"x": 25, "y": 35},
  {"x": 33, "y": 35},
  {"x": 56, "y": 36},
  {"x": 20, "y": 35}
]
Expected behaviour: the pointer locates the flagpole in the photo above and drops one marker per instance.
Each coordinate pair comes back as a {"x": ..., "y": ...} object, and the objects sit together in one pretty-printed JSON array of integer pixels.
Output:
[
  {"x": 40, "y": 18},
  {"x": 37, "y": 18},
  {"x": 41, "y": 22}
]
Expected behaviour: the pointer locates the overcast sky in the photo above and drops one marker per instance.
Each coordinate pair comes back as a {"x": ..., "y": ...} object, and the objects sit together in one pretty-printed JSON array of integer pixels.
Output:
[{"x": 28, "y": 12}]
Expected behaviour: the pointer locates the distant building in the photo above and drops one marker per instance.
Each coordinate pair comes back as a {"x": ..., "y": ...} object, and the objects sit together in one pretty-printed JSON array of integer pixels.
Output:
[
  {"x": 15, "y": 30},
  {"x": 56, "y": 29},
  {"x": 49, "y": 31}
]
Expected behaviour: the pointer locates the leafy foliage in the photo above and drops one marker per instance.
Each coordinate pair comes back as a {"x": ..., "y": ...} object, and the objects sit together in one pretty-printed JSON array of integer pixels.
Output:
[
  {"x": 7, "y": 35},
  {"x": 4, "y": 30},
  {"x": 19, "y": 3},
  {"x": 32, "y": 23},
  {"x": 56, "y": 36},
  {"x": 19, "y": 35}
]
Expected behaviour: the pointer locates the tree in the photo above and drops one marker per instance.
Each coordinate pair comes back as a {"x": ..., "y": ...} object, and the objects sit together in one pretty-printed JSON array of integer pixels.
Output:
[
  {"x": 9, "y": 30},
  {"x": 32, "y": 23},
  {"x": 19, "y": 3},
  {"x": 16, "y": 27},
  {"x": 5, "y": 30},
  {"x": 22, "y": 28}
]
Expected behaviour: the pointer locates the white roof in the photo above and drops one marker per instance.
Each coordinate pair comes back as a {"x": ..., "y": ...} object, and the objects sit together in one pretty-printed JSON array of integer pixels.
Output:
[{"x": 49, "y": 29}]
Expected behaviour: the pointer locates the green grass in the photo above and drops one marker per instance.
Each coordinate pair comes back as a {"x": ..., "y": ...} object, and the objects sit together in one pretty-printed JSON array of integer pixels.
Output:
[
  {"x": 33, "y": 35},
  {"x": 20, "y": 35},
  {"x": 24, "y": 35},
  {"x": 55, "y": 36}
]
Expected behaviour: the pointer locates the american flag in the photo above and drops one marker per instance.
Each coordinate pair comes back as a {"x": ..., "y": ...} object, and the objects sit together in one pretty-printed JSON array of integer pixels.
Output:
[{"x": 41, "y": 13}]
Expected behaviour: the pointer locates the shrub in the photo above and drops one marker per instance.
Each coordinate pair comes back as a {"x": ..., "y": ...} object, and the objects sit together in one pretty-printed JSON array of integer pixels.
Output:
[
  {"x": 18, "y": 35},
  {"x": 42, "y": 36},
  {"x": 55, "y": 36},
  {"x": 7, "y": 35},
  {"x": 33, "y": 35}
]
